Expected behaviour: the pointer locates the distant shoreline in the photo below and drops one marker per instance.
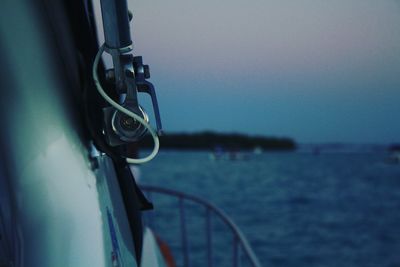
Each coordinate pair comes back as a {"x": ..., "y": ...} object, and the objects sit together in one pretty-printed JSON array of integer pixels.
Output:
[{"x": 226, "y": 141}]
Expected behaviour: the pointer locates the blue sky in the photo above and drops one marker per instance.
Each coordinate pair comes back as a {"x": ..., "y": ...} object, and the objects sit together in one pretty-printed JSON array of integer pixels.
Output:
[{"x": 316, "y": 71}]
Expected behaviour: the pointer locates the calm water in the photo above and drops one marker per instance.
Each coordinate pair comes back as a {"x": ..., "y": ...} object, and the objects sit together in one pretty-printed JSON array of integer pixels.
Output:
[{"x": 296, "y": 209}]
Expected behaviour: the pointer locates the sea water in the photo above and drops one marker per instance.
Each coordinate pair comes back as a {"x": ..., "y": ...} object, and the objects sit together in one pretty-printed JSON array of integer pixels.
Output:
[{"x": 296, "y": 209}]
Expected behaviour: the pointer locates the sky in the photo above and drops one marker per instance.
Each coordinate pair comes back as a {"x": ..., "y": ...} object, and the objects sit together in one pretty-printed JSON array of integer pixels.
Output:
[{"x": 314, "y": 71}]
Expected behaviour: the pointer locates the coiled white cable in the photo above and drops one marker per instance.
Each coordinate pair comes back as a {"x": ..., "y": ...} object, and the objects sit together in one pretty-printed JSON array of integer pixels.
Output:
[{"x": 125, "y": 111}]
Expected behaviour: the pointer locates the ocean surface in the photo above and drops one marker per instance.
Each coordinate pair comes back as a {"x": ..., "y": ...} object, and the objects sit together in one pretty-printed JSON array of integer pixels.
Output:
[{"x": 296, "y": 209}]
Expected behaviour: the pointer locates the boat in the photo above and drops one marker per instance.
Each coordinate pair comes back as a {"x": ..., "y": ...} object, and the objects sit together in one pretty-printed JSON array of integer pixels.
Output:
[
  {"x": 393, "y": 158},
  {"x": 67, "y": 194}
]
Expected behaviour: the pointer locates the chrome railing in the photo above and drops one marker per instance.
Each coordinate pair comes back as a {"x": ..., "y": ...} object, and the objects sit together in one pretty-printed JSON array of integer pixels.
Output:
[{"x": 239, "y": 240}]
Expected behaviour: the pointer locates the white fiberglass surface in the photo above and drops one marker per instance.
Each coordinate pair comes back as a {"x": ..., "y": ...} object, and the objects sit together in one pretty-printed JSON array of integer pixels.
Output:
[
  {"x": 151, "y": 255},
  {"x": 59, "y": 210}
]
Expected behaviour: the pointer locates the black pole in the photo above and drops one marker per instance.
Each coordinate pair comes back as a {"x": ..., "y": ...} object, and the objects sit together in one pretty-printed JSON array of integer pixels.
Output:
[{"x": 116, "y": 23}]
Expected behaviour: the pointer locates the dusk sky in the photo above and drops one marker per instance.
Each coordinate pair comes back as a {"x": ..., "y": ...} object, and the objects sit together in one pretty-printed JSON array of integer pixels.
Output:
[{"x": 316, "y": 71}]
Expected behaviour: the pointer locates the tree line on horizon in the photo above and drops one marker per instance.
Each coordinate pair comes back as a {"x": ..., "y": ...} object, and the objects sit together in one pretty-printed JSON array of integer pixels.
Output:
[{"x": 212, "y": 140}]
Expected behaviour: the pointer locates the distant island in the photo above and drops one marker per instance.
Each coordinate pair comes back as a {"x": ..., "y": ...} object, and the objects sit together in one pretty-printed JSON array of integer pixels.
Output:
[
  {"x": 394, "y": 147},
  {"x": 227, "y": 141}
]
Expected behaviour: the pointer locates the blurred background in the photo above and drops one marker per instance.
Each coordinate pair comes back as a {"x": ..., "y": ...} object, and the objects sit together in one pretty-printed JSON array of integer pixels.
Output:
[
  {"x": 323, "y": 75},
  {"x": 312, "y": 70}
]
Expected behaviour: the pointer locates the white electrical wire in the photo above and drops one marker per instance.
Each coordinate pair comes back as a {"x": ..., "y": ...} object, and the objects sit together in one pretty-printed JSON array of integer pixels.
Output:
[{"x": 125, "y": 111}]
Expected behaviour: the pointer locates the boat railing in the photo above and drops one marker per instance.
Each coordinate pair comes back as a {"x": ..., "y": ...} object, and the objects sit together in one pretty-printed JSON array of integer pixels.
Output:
[{"x": 239, "y": 241}]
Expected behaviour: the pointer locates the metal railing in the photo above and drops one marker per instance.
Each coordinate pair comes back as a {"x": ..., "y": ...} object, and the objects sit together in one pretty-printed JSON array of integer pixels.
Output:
[{"x": 239, "y": 240}]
